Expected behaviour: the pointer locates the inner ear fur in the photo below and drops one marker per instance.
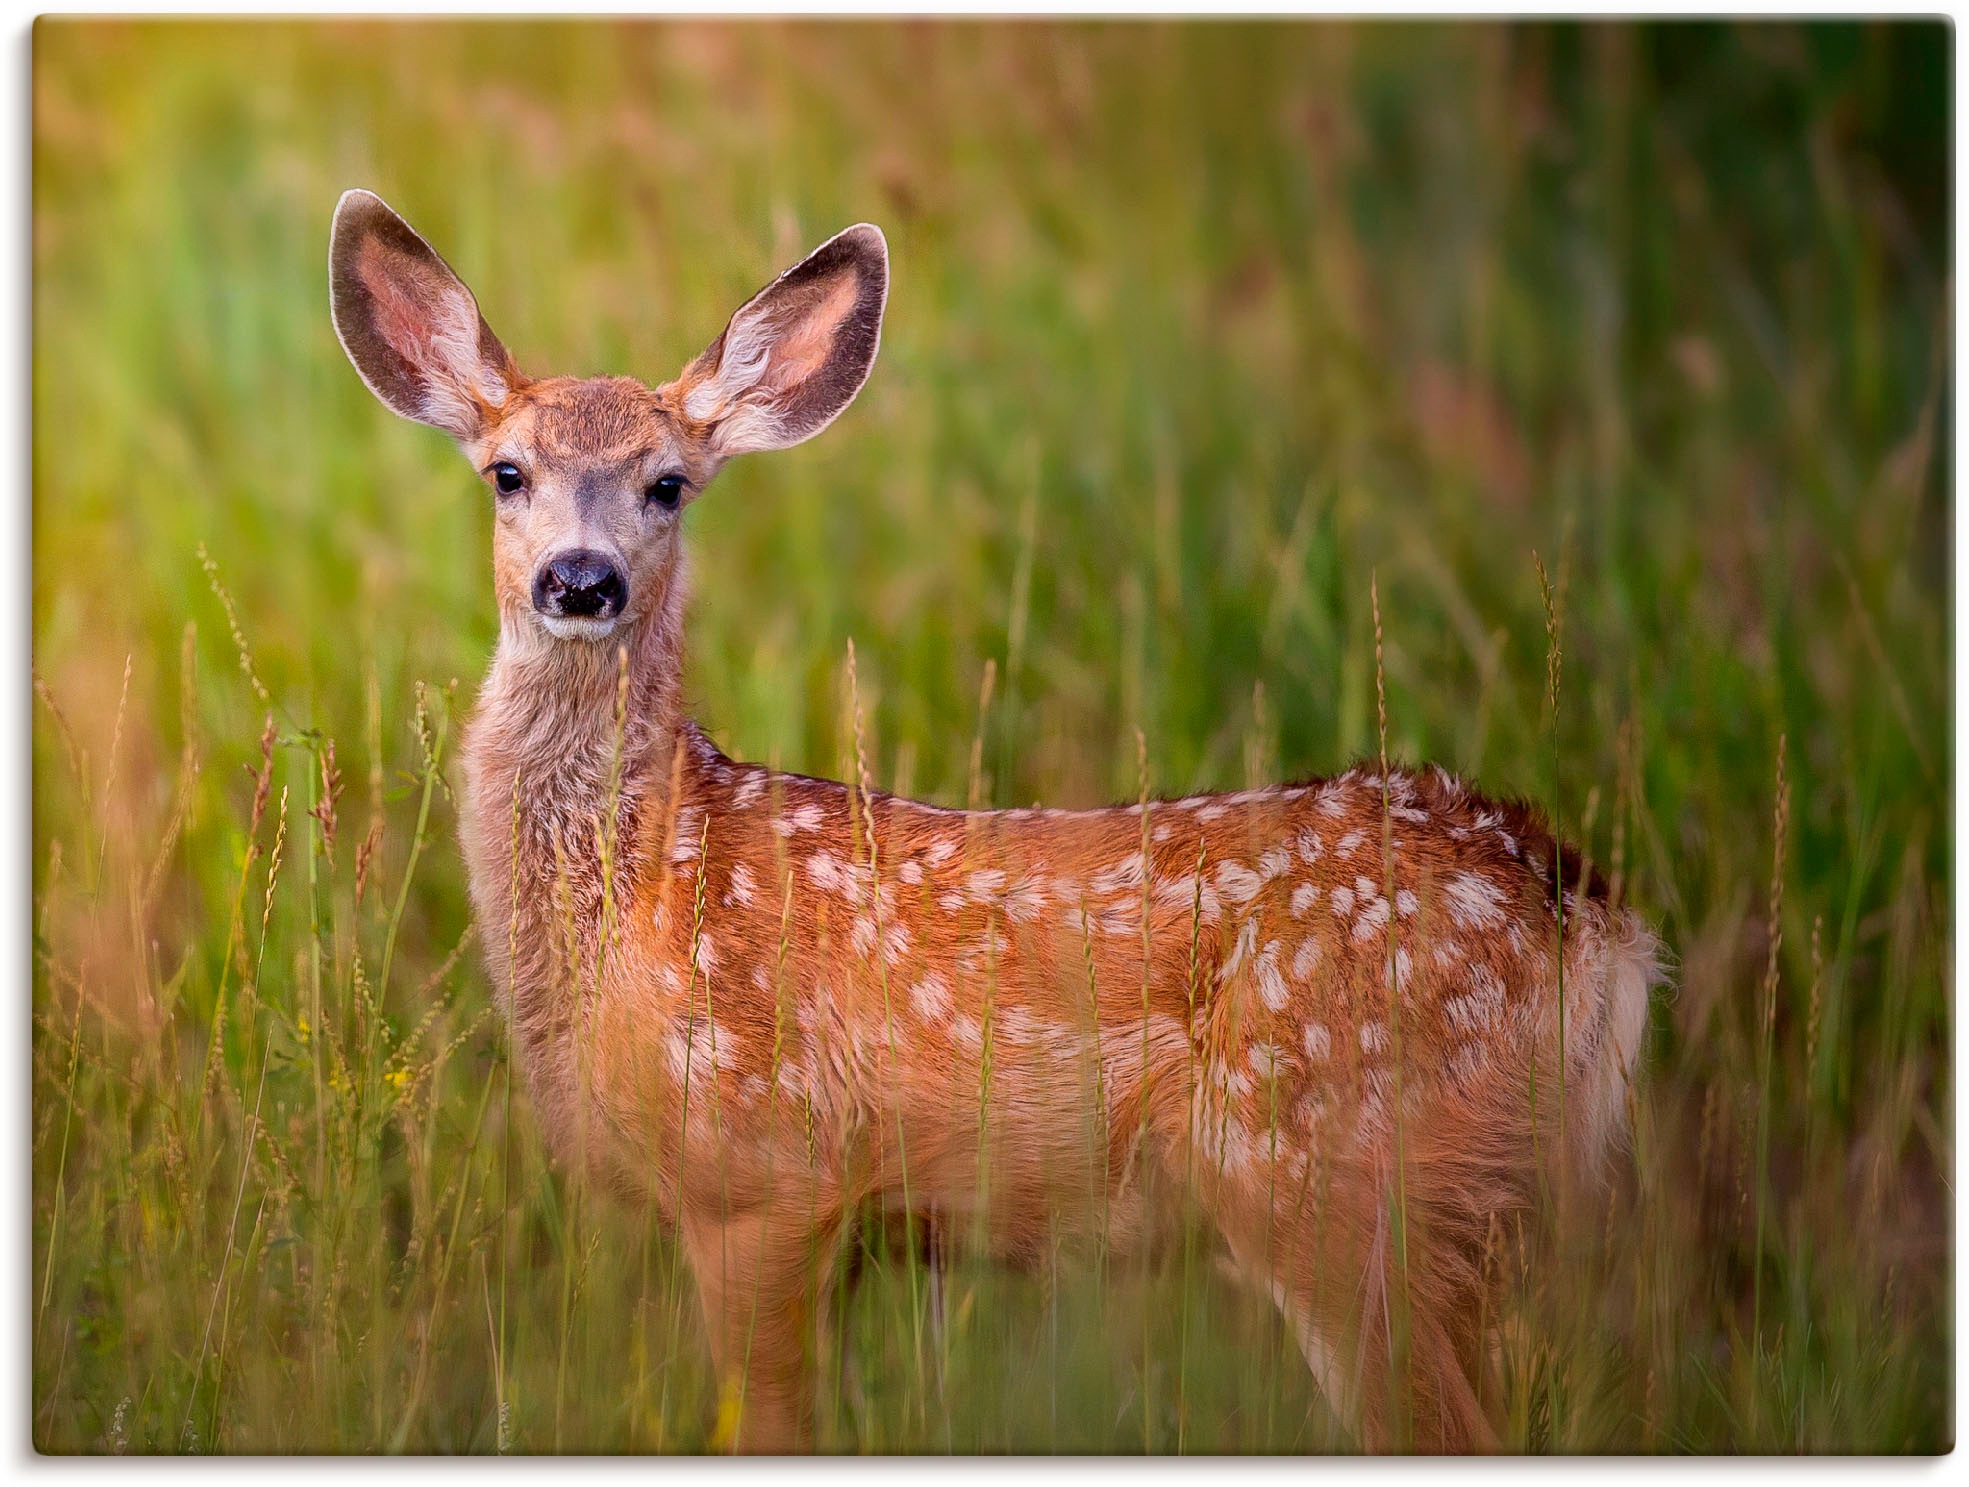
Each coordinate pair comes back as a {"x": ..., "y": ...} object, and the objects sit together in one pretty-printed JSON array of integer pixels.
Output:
[
  {"x": 796, "y": 353},
  {"x": 409, "y": 324}
]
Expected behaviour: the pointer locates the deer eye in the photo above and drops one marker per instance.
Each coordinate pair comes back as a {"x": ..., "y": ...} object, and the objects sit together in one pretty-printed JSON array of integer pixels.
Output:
[
  {"x": 666, "y": 491},
  {"x": 507, "y": 479}
]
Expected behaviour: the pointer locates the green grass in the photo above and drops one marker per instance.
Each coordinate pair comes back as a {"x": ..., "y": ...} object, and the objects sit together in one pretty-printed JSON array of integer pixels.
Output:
[{"x": 1194, "y": 330}]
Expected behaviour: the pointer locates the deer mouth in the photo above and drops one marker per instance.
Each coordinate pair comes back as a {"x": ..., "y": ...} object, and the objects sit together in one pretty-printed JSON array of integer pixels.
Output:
[{"x": 580, "y": 627}]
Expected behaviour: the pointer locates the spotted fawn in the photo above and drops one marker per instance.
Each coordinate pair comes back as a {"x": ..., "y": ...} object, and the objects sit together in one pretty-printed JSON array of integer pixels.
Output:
[{"x": 1326, "y": 1014}]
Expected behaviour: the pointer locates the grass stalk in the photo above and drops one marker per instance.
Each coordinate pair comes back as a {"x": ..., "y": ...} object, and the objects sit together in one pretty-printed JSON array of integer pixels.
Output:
[
  {"x": 1554, "y": 655},
  {"x": 1766, "y": 1037},
  {"x": 867, "y": 821},
  {"x": 1401, "y": 1361}
]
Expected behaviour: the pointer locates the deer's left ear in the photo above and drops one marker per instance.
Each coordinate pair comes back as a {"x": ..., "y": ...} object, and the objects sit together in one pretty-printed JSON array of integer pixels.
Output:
[{"x": 796, "y": 353}]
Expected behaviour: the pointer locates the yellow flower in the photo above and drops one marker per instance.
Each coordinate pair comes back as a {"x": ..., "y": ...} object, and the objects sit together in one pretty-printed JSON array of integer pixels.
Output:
[{"x": 724, "y": 1434}]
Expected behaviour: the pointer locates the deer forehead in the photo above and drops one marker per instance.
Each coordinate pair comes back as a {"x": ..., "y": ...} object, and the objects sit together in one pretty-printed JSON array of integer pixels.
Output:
[{"x": 583, "y": 422}]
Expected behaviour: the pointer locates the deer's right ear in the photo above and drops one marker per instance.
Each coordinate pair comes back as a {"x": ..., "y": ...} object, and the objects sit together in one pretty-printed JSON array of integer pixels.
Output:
[{"x": 409, "y": 323}]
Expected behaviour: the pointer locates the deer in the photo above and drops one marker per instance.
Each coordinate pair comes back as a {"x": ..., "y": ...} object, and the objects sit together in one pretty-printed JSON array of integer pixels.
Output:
[{"x": 1355, "y": 1020}]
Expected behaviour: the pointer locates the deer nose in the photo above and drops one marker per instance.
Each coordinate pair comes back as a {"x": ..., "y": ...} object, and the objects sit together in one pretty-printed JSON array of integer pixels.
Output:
[{"x": 579, "y": 585}]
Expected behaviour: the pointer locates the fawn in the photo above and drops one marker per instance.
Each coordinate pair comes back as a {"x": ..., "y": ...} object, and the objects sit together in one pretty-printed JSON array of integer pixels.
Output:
[{"x": 1328, "y": 1012}]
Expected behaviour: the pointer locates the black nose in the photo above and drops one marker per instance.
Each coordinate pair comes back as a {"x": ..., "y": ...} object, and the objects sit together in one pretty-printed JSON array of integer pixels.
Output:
[{"x": 579, "y": 585}]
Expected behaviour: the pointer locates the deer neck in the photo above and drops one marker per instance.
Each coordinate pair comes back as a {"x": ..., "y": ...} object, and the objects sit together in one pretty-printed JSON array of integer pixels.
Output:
[{"x": 569, "y": 752}]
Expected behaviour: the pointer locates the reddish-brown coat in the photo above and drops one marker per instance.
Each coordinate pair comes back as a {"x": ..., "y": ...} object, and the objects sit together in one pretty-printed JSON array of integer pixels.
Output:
[{"x": 960, "y": 1012}]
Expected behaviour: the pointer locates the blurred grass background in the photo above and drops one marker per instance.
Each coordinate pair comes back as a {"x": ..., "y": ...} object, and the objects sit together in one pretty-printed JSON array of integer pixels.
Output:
[{"x": 1193, "y": 329}]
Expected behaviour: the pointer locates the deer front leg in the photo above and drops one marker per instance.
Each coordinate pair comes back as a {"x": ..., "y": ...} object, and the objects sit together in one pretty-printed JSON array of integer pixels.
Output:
[{"x": 756, "y": 1278}]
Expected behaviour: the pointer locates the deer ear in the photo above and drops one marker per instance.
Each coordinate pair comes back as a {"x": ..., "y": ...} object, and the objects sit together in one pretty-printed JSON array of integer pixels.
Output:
[
  {"x": 409, "y": 323},
  {"x": 796, "y": 353}
]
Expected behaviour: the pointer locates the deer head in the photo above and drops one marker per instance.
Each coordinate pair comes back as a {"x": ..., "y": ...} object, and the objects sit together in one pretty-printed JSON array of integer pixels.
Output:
[{"x": 590, "y": 476}]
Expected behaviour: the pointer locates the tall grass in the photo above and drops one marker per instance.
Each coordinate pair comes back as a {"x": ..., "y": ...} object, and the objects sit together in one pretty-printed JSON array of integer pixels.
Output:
[{"x": 1154, "y": 402}]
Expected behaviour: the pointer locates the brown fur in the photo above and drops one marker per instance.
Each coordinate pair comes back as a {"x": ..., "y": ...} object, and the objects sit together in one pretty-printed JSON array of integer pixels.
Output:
[{"x": 762, "y": 1002}]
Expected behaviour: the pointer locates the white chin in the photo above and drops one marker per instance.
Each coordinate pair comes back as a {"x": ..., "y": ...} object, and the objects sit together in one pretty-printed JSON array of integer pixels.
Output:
[{"x": 570, "y": 627}]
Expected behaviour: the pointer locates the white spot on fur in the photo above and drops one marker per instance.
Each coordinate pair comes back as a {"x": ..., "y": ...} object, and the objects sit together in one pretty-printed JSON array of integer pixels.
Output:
[
  {"x": 1307, "y": 957},
  {"x": 801, "y": 818},
  {"x": 1482, "y": 1008},
  {"x": 1303, "y": 899},
  {"x": 684, "y": 847},
  {"x": 1266, "y": 1060},
  {"x": 1272, "y": 989},
  {"x": 1474, "y": 902},
  {"x": 964, "y": 1029},
  {"x": 1373, "y": 918},
  {"x": 1243, "y": 949},
  {"x": 1126, "y": 873},
  {"x": 864, "y": 934},
  {"x": 986, "y": 883},
  {"x": 830, "y": 873},
  {"x": 1238, "y": 882},
  {"x": 1024, "y": 899},
  {"x": 931, "y": 998},
  {"x": 1186, "y": 894}
]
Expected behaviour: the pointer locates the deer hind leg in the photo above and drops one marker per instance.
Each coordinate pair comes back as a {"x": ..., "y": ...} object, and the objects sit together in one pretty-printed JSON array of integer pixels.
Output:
[
  {"x": 1388, "y": 1323},
  {"x": 757, "y": 1279},
  {"x": 1418, "y": 1394},
  {"x": 1419, "y": 1342}
]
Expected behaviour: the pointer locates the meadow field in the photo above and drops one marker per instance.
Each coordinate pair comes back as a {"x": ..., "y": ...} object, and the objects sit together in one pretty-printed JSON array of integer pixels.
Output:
[{"x": 1196, "y": 331}]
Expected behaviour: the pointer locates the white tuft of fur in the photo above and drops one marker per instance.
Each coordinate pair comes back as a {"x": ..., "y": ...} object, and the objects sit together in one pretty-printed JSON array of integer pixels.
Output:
[
  {"x": 577, "y": 627},
  {"x": 1624, "y": 963},
  {"x": 452, "y": 367}
]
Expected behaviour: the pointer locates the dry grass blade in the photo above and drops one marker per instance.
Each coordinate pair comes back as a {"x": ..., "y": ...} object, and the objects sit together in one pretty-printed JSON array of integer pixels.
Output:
[{"x": 1766, "y": 1032}]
